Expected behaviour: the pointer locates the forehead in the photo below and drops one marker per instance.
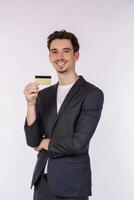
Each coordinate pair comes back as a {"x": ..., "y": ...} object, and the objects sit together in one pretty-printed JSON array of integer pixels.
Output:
[{"x": 61, "y": 44}]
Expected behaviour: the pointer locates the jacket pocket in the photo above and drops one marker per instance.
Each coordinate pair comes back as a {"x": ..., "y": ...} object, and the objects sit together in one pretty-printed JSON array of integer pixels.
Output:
[{"x": 79, "y": 159}]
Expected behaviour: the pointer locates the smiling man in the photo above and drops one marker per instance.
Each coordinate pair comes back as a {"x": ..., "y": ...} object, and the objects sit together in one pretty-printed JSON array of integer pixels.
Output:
[{"x": 60, "y": 122}]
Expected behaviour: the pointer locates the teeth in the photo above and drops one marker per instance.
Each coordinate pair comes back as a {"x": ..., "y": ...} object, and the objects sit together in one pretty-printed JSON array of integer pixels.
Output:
[{"x": 61, "y": 63}]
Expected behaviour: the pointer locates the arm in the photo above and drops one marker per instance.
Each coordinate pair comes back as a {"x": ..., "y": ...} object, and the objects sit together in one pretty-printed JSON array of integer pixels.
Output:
[
  {"x": 84, "y": 128},
  {"x": 33, "y": 130},
  {"x": 32, "y": 125}
]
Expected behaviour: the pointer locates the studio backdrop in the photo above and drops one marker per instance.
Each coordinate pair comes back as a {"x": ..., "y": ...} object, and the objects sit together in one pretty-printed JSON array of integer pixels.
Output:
[{"x": 105, "y": 29}]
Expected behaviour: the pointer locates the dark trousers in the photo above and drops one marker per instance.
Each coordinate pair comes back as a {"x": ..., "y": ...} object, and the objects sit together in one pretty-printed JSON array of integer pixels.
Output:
[{"x": 43, "y": 192}]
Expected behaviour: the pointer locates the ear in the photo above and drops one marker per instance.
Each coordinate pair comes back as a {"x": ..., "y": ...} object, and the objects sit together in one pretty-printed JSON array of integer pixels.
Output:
[{"x": 76, "y": 55}]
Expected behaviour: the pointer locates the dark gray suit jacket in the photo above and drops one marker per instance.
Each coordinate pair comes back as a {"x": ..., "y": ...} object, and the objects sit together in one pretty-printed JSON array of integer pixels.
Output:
[{"x": 70, "y": 130}]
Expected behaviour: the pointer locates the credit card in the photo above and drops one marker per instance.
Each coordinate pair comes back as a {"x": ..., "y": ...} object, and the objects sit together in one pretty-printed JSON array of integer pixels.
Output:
[{"x": 43, "y": 80}]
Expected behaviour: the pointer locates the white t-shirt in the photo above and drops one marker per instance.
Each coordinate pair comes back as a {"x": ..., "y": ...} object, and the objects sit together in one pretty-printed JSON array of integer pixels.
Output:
[{"x": 61, "y": 94}]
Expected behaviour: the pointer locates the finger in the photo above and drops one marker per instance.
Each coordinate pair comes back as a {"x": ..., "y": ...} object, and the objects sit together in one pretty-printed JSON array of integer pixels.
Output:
[
  {"x": 30, "y": 91},
  {"x": 32, "y": 96},
  {"x": 32, "y": 85}
]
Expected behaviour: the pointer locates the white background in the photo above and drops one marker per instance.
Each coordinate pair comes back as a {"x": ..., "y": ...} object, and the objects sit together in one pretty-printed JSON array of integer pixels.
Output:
[{"x": 106, "y": 34}]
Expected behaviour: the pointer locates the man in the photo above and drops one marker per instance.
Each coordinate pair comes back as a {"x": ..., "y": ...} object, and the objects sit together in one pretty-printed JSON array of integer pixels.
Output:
[{"x": 60, "y": 122}]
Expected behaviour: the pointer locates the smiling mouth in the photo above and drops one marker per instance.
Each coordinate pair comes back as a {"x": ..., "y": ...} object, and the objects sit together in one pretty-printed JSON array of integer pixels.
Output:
[{"x": 61, "y": 63}]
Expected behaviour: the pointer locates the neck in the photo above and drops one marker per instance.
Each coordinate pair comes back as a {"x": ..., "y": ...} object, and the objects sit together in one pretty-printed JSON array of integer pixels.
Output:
[{"x": 65, "y": 79}]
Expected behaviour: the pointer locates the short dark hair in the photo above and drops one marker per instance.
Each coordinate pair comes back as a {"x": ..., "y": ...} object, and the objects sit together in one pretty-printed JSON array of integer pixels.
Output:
[{"x": 63, "y": 34}]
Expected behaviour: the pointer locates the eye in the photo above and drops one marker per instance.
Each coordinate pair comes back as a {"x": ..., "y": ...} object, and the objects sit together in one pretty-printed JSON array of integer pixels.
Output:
[
  {"x": 54, "y": 52},
  {"x": 67, "y": 51}
]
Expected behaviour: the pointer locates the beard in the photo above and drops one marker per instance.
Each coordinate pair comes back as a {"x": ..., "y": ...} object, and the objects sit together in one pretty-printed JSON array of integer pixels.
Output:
[{"x": 61, "y": 71}]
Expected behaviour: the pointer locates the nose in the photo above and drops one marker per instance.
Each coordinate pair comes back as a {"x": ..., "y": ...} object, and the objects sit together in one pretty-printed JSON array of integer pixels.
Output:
[{"x": 60, "y": 55}]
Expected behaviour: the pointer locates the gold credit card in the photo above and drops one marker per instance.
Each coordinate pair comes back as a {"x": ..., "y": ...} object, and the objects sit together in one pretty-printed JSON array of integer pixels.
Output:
[{"x": 43, "y": 80}]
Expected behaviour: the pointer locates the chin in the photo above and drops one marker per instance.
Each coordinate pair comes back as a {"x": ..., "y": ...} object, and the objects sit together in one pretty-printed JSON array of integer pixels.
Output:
[{"x": 61, "y": 71}]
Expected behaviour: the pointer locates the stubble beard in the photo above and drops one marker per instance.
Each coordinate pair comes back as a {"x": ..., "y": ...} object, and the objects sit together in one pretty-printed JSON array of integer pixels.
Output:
[{"x": 61, "y": 71}]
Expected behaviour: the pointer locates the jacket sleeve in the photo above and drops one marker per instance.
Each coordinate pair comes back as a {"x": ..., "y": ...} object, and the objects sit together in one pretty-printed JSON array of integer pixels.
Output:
[
  {"x": 84, "y": 128},
  {"x": 33, "y": 133}
]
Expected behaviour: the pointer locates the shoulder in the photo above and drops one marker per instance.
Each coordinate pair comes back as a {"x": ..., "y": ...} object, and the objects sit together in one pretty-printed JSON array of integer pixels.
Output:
[
  {"x": 92, "y": 89},
  {"x": 93, "y": 94}
]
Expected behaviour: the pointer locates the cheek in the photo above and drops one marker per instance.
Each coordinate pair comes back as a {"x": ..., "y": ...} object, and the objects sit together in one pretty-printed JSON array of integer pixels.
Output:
[
  {"x": 72, "y": 60},
  {"x": 51, "y": 59}
]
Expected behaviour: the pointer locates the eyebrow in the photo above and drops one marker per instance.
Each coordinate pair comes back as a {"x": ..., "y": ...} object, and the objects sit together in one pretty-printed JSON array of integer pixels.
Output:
[
  {"x": 67, "y": 48},
  {"x": 53, "y": 49}
]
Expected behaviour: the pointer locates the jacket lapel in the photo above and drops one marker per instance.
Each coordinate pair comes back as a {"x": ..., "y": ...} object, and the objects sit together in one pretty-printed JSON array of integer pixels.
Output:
[
  {"x": 54, "y": 100},
  {"x": 53, "y": 105},
  {"x": 75, "y": 88}
]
